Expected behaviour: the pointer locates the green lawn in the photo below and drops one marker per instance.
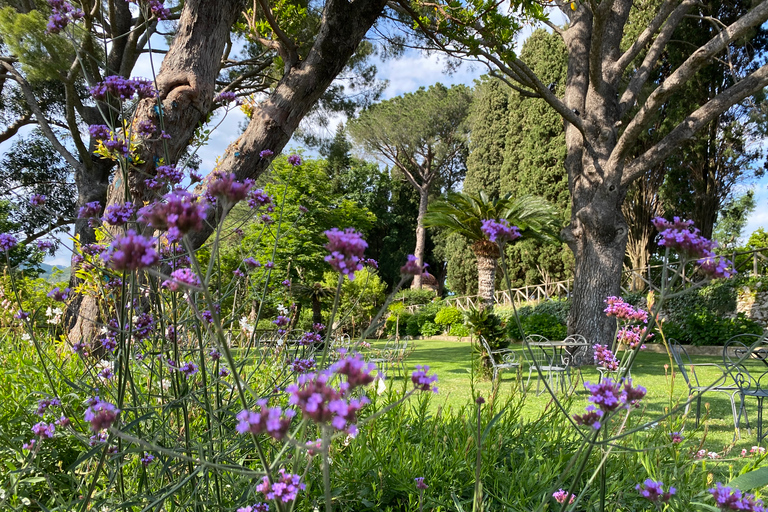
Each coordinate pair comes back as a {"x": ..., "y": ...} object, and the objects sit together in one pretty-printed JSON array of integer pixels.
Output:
[{"x": 452, "y": 362}]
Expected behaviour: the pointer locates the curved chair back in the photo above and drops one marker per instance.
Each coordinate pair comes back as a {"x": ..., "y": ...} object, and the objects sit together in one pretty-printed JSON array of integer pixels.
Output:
[
  {"x": 681, "y": 357},
  {"x": 739, "y": 356}
]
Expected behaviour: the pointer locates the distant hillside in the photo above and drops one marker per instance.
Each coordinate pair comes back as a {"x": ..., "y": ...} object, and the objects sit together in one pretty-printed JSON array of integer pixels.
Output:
[{"x": 55, "y": 273}]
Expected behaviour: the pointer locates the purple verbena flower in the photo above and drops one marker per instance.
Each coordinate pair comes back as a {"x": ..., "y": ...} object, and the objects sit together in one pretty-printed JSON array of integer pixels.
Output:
[
  {"x": 303, "y": 365},
  {"x": 412, "y": 267},
  {"x": 592, "y": 417},
  {"x": 146, "y": 128},
  {"x": 422, "y": 381},
  {"x": 91, "y": 209},
  {"x": 101, "y": 415},
  {"x": 623, "y": 311},
  {"x": 131, "y": 252},
  {"x": 266, "y": 153},
  {"x": 631, "y": 336},
  {"x": 44, "y": 430},
  {"x": 562, "y": 496},
  {"x": 59, "y": 295},
  {"x": 180, "y": 213},
  {"x": 7, "y": 241},
  {"x": 63, "y": 14},
  {"x": 189, "y": 369},
  {"x": 500, "y": 231},
  {"x": 294, "y": 160},
  {"x": 285, "y": 489},
  {"x": 258, "y": 198},
  {"x": 358, "y": 372},
  {"x": 99, "y": 131},
  {"x": 119, "y": 214},
  {"x": 420, "y": 485},
  {"x": 147, "y": 459},
  {"x": 183, "y": 276},
  {"x": 37, "y": 200},
  {"x": 250, "y": 262},
  {"x": 605, "y": 358},
  {"x": 45, "y": 245},
  {"x": 226, "y": 186},
  {"x": 654, "y": 491},
  {"x": 274, "y": 421},
  {"x": 226, "y": 97},
  {"x": 727, "y": 498},
  {"x": 346, "y": 248}
]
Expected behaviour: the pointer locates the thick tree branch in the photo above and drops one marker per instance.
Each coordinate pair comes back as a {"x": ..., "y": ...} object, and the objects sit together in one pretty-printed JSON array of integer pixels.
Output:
[
  {"x": 694, "y": 122},
  {"x": 645, "y": 37},
  {"x": 640, "y": 77},
  {"x": 682, "y": 74},
  {"x": 286, "y": 46},
  {"x": 16, "y": 126},
  {"x": 29, "y": 96},
  {"x": 53, "y": 225}
]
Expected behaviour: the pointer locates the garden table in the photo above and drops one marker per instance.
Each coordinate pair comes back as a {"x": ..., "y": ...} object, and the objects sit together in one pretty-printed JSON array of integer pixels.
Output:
[{"x": 553, "y": 357}]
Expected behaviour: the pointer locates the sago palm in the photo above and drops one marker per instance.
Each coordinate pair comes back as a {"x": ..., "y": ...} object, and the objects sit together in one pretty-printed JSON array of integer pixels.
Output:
[{"x": 464, "y": 213}]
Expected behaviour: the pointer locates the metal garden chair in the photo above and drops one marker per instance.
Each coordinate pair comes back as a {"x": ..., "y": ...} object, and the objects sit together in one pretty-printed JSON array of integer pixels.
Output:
[
  {"x": 746, "y": 359},
  {"x": 502, "y": 359},
  {"x": 543, "y": 361},
  {"x": 695, "y": 386}
]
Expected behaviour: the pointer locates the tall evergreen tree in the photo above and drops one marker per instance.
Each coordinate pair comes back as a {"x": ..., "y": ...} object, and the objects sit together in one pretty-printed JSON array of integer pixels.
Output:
[{"x": 489, "y": 121}]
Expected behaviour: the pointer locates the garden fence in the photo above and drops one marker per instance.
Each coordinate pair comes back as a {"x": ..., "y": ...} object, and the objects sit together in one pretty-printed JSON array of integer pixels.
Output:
[{"x": 633, "y": 281}]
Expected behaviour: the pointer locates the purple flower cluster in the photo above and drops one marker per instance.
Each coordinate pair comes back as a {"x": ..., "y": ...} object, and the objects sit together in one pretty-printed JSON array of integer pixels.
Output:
[
  {"x": 123, "y": 88},
  {"x": 146, "y": 128},
  {"x": 182, "y": 276},
  {"x": 99, "y": 131},
  {"x": 45, "y": 245},
  {"x": 422, "y": 381},
  {"x": 143, "y": 325},
  {"x": 165, "y": 174},
  {"x": 44, "y": 430},
  {"x": 250, "y": 262},
  {"x": 7, "y": 241},
  {"x": 608, "y": 396},
  {"x": 592, "y": 417},
  {"x": 308, "y": 338},
  {"x": 256, "y": 507},
  {"x": 91, "y": 209},
  {"x": 681, "y": 236},
  {"x": 420, "y": 485},
  {"x": 119, "y": 214},
  {"x": 44, "y": 404},
  {"x": 281, "y": 321},
  {"x": 727, "y": 498},
  {"x": 654, "y": 491},
  {"x": 605, "y": 358},
  {"x": 226, "y": 97},
  {"x": 303, "y": 365},
  {"x": 325, "y": 403},
  {"x": 226, "y": 186},
  {"x": 63, "y": 14},
  {"x": 412, "y": 267},
  {"x": 180, "y": 213},
  {"x": 59, "y": 295},
  {"x": 624, "y": 311},
  {"x": 188, "y": 369},
  {"x": 258, "y": 198},
  {"x": 156, "y": 7},
  {"x": 37, "y": 200},
  {"x": 294, "y": 160},
  {"x": 631, "y": 336},
  {"x": 147, "y": 459},
  {"x": 676, "y": 437},
  {"x": 347, "y": 248},
  {"x": 117, "y": 144},
  {"x": 285, "y": 489},
  {"x": 131, "y": 252},
  {"x": 101, "y": 414},
  {"x": 274, "y": 421},
  {"x": 562, "y": 496},
  {"x": 500, "y": 231}
]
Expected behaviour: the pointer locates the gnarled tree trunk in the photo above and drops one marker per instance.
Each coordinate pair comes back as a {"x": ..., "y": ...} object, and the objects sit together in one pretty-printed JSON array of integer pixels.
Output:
[{"x": 421, "y": 233}]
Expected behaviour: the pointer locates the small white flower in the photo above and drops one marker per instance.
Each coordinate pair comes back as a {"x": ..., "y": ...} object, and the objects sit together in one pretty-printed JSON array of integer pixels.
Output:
[
  {"x": 25, "y": 501},
  {"x": 26, "y": 337},
  {"x": 2, "y": 494},
  {"x": 380, "y": 386}
]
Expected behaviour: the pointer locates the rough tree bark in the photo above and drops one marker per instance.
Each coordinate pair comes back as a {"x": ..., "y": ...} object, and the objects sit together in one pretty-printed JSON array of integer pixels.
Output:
[
  {"x": 421, "y": 233},
  {"x": 186, "y": 83},
  {"x": 487, "y": 253}
]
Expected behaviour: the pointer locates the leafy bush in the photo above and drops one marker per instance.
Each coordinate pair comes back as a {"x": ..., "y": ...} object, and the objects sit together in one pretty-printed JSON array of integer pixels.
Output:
[
  {"x": 542, "y": 324},
  {"x": 459, "y": 330},
  {"x": 482, "y": 322},
  {"x": 718, "y": 297},
  {"x": 391, "y": 325},
  {"x": 705, "y": 328},
  {"x": 448, "y": 316},
  {"x": 430, "y": 329},
  {"x": 557, "y": 308},
  {"x": 412, "y": 327},
  {"x": 415, "y": 297}
]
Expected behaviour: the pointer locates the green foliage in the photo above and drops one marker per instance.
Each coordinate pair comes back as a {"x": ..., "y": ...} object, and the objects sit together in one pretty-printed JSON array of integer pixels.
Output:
[
  {"x": 429, "y": 329},
  {"x": 718, "y": 297},
  {"x": 459, "y": 330},
  {"x": 489, "y": 119},
  {"x": 703, "y": 327},
  {"x": 412, "y": 327},
  {"x": 360, "y": 299},
  {"x": 482, "y": 322},
  {"x": 449, "y": 316},
  {"x": 413, "y": 297},
  {"x": 543, "y": 324},
  {"x": 758, "y": 239},
  {"x": 43, "y": 56},
  {"x": 732, "y": 219},
  {"x": 461, "y": 266}
]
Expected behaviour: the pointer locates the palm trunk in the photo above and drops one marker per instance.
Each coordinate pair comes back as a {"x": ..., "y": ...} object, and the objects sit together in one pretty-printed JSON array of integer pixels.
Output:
[
  {"x": 421, "y": 233},
  {"x": 487, "y": 253},
  {"x": 317, "y": 310}
]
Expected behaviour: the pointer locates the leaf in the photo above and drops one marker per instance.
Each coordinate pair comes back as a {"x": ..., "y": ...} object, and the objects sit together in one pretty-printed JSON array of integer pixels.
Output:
[
  {"x": 705, "y": 506},
  {"x": 490, "y": 425},
  {"x": 752, "y": 480}
]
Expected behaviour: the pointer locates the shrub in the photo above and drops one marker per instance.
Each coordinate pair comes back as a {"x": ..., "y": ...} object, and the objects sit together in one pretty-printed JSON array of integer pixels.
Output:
[
  {"x": 391, "y": 325},
  {"x": 705, "y": 328},
  {"x": 430, "y": 329},
  {"x": 415, "y": 297},
  {"x": 412, "y": 327},
  {"x": 459, "y": 330},
  {"x": 482, "y": 322},
  {"x": 448, "y": 316},
  {"x": 539, "y": 323}
]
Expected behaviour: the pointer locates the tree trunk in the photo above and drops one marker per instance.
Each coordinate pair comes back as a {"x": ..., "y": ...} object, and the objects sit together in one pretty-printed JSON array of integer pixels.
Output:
[
  {"x": 317, "y": 310},
  {"x": 487, "y": 253},
  {"x": 421, "y": 232}
]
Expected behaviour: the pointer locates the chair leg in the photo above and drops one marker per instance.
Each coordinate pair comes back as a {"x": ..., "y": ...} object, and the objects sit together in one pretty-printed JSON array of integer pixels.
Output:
[
  {"x": 698, "y": 408},
  {"x": 735, "y": 419}
]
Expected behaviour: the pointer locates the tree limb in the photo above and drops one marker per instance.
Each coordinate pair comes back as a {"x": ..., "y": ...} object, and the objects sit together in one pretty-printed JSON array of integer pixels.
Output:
[
  {"x": 682, "y": 74},
  {"x": 640, "y": 77},
  {"x": 645, "y": 37},
  {"x": 39, "y": 116},
  {"x": 694, "y": 122},
  {"x": 53, "y": 225},
  {"x": 16, "y": 126}
]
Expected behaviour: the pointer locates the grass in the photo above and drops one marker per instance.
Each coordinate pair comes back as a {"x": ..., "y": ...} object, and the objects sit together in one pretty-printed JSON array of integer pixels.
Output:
[{"x": 452, "y": 362}]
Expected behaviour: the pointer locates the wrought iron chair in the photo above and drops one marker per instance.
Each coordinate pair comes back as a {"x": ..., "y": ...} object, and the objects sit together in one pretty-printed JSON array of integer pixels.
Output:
[
  {"x": 695, "y": 386},
  {"x": 746, "y": 359},
  {"x": 502, "y": 359},
  {"x": 543, "y": 361}
]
